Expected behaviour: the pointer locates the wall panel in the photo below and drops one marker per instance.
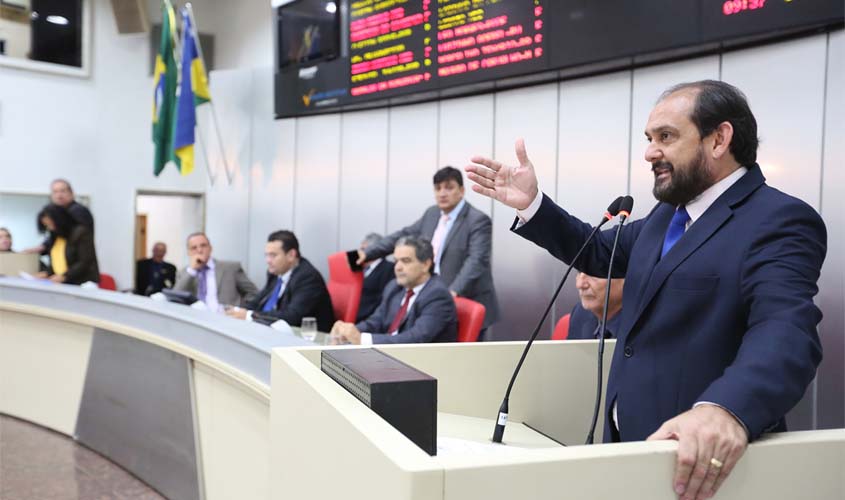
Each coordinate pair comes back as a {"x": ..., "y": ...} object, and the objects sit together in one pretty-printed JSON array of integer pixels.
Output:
[
  {"x": 316, "y": 200},
  {"x": 593, "y": 157},
  {"x": 363, "y": 176},
  {"x": 831, "y": 298},
  {"x": 524, "y": 272},
  {"x": 649, "y": 83},
  {"x": 412, "y": 160},
  {"x": 271, "y": 174},
  {"x": 466, "y": 130},
  {"x": 227, "y": 205},
  {"x": 788, "y": 109}
]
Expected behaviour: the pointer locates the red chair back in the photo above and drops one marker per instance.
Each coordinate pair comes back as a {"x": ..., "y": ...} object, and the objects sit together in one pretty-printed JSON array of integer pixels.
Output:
[
  {"x": 470, "y": 319},
  {"x": 561, "y": 329},
  {"x": 107, "y": 282},
  {"x": 345, "y": 286}
]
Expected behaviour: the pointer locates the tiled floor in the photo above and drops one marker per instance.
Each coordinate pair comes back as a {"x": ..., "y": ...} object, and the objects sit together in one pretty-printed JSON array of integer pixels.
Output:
[{"x": 39, "y": 464}]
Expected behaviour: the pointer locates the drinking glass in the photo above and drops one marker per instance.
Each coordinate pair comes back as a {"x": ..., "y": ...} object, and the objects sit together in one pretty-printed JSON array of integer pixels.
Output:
[{"x": 309, "y": 329}]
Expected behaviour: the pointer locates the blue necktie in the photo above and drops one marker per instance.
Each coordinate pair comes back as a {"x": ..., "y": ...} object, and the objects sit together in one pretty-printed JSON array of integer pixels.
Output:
[
  {"x": 274, "y": 297},
  {"x": 202, "y": 283},
  {"x": 676, "y": 229}
]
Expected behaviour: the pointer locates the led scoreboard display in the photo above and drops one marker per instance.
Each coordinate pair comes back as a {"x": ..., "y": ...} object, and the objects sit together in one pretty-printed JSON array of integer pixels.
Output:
[
  {"x": 397, "y": 46},
  {"x": 396, "y": 51}
]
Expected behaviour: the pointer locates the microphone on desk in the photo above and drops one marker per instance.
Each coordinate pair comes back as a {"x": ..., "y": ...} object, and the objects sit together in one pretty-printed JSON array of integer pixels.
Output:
[
  {"x": 624, "y": 212},
  {"x": 502, "y": 418}
]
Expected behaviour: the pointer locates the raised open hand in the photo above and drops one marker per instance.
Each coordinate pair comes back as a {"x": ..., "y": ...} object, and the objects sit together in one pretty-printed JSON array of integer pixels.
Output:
[{"x": 515, "y": 186}]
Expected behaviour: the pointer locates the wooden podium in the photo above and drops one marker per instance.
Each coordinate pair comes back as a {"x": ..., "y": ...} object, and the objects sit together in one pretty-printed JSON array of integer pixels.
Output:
[{"x": 325, "y": 444}]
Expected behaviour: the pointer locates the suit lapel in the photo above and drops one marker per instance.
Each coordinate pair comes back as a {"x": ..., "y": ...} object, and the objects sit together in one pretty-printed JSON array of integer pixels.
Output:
[
  {"x": 703, "y": 229},
  {"x": 698, "y": 233},
  {"x": 218, "y": 275}
]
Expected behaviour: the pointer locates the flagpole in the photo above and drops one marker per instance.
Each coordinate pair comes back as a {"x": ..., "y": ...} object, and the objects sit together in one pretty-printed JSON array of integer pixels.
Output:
[
  {"x": 211, "y": 178},
  {"x": 190, "y": 10}
]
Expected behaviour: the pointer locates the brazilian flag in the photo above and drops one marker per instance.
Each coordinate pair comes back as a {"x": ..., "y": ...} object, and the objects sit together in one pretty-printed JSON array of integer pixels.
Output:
[
  {"x": 164, "y": 99},
  {"x": 193, "y": 91}
]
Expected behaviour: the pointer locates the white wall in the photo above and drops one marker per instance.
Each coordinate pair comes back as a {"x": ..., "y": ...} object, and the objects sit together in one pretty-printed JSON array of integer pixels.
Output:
[{"x": 17, "y": 214}]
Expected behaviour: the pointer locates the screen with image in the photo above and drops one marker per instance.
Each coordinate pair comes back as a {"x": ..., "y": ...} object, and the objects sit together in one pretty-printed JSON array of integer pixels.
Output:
[{"x": 307, "y": 31}]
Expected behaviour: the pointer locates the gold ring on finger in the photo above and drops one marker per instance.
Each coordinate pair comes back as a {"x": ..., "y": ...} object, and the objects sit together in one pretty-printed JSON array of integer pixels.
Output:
[{"x": 715, "y": 462}]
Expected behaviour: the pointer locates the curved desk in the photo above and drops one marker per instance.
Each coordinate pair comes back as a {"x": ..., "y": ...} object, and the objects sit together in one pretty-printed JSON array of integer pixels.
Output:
[{"x": 177, "y": 396}]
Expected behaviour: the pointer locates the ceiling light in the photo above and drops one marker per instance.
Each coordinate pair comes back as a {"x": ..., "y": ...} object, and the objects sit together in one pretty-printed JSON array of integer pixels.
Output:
[{"x": 331, "y": 7}]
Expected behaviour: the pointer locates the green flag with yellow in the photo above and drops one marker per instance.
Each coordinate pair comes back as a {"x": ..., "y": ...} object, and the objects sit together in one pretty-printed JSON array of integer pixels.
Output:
[{"x": 164, "y": 85}]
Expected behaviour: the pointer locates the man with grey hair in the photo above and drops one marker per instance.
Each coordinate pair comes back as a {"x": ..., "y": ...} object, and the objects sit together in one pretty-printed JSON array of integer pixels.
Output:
[
  {"x": 415, "y": 308},
  {"x": 377, "y": 274}
]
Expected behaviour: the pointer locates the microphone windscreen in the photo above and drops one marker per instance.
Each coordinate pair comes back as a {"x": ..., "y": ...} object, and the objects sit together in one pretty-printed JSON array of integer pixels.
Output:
[
  {"x": 627, "y": 205},
  {"x": 613, "y": 208}
]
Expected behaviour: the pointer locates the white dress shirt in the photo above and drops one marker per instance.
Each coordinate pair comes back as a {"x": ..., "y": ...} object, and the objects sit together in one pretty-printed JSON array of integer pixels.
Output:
[{"x": 449, "y": 223}]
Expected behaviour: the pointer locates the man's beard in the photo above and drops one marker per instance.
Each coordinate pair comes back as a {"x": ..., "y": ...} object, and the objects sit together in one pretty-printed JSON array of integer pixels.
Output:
[{"x": 684, "y": 184}]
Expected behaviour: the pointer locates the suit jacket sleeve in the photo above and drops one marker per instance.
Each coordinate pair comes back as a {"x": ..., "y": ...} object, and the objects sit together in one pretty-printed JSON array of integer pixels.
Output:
[
  {"x": 305, "y": 292},
  {"x": 83, "y": 239},
  {"x": 378, "y": 322},
  {"x": 780, "y": 350},
  {"x": 185, "y": 282},
  {"x": 246, "y": 288},
  {"x": 140, "y": 275},
  {"x": 384, "y": 246},
  {"x": 437, "y": 311},
  {"x": 562, "y": 235},
  {"x": 478, "y": 254}
]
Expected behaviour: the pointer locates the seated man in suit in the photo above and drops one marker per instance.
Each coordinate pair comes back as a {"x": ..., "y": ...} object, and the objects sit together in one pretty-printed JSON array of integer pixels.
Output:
[
  {"x": 230, "y": 284},
  {"x": 294, "y": 290},
  {"x": 151, "y": 275},
  {"x": 461, "y": 236},
  {"x": 377, "y": 274},
  {"x": 417, "y": 307},
  {"x": 586, "y": 315}
]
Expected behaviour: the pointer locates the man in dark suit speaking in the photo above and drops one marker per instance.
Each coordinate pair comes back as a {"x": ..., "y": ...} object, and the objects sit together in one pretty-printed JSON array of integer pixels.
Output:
[
  {"x": 461, "y": 236},
  {"x": 718, "y": 335},
  {"x": 417, "y": 307}
]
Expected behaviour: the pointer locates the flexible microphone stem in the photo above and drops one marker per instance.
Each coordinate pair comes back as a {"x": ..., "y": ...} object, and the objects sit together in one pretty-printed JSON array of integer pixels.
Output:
[
  {"x": 623, "y": 216},
  {"x": 502, "y": 419}
]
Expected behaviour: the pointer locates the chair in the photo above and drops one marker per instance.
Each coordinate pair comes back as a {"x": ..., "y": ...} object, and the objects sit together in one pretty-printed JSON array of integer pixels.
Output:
[
  {"x": 345, "y": 286},
  {"x": 470, "y": 319},
  {"x": 561, "y": 328},
  {"x": 107, "y": 282}
]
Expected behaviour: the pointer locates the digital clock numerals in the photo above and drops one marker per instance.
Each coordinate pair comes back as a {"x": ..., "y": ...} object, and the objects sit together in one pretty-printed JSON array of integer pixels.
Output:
[{"x": 731, "y": 7}]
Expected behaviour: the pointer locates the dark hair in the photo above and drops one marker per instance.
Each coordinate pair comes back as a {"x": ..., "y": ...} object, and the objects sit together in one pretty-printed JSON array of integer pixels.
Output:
[
  {"x": 422, "y": 248},
  {"x": 65, "y": 182},
  {"x": 197, "y": 233},
  {"x": 287, "y": 239},
  {"x": 448, "y": 173},
  {"x": 718, "y": 102},
  {"x": 60, "y": 217}
]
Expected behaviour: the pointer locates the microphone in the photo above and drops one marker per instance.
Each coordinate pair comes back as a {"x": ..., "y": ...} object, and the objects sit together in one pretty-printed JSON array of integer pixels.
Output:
[
  {"x": 624, "y": 212},
  {"x": 502, "y": 419}
]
